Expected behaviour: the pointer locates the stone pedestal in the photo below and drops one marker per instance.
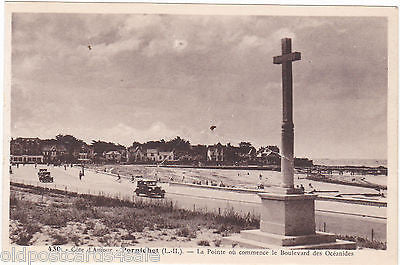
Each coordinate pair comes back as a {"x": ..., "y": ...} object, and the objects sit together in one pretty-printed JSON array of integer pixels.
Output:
[
  {"x": 287, "y": 214},
  {"x": 287, "y": 221}
]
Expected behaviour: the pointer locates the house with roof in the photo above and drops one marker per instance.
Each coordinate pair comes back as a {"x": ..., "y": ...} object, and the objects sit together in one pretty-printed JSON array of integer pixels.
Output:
[
  {"x": 85, "y": 154},
  {"x": 216, "y": 153},
  {"x": 53, "y": 152},
  {"x": 156, "y": 155},
  {"x": 166, "y": 156},
  {"x": 136, "y": 154},
  {"x": 268, "y": 155},
  {"x": 151, "y": 154},
  {"x": 113, "y": 156}
]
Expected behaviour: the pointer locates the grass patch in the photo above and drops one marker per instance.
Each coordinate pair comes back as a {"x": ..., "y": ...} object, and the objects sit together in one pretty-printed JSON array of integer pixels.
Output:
[
  {"x": 100, "y": 232},
  {"x": 186, "y": 232},
  {"x": 24, "y": 238},
  {"x": 363, "y": 242},
  {"x": 13, "y": 200},
  {"x": 76, "y": 240},
  {"x": 217, "y": 242},
  {"x": 81, "y": 204},
  {"x": 128, "y": 237},
  {"x": 204, "y": 243},
  {"x": 59, "y": 239}
]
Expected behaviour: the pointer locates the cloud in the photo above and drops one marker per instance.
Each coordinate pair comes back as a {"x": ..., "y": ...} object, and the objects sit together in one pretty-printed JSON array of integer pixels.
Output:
[
  {"x": 283, "y": 33},
  {"x": 156, "y": 76},
  {"x": 126, "y": 134},
  {"x": 136, "y": 23},
  {"x": 250, "y": 42}
]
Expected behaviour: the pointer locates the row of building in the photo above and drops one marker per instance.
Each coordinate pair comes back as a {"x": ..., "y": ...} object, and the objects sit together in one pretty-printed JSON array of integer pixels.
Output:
[
  {"x": 211, "y": 154},
  {"x": 35, "y": 150}
]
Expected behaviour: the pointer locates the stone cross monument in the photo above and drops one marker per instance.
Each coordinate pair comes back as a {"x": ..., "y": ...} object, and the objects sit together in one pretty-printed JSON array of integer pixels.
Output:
[
  {"x": 287, "y": 214},
  {"x": 287, "y": 144}
]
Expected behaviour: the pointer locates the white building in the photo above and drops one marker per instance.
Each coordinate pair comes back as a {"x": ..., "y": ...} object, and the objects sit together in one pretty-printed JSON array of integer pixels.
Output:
[
  {"x": 159, "y": 156},
  {"x": 166, "y": 156},
  {"x": 216, "y": 153},
  {"x": 26, "y": 159},
  {"x": 114, "y": 156},
  {"x": 152, "y": 154}
]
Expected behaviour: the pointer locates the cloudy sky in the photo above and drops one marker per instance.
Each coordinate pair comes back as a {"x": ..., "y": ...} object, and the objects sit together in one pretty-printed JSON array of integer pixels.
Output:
[{"x": 148, "y": 77}]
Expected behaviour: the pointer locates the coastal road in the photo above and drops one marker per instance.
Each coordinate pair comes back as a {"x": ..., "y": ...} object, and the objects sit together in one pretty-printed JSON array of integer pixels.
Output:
[{"x": 331, "y": 216}]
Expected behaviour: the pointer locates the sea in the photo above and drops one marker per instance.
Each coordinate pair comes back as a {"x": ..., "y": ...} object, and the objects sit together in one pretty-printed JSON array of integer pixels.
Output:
[{"x": 351, "y": 162}]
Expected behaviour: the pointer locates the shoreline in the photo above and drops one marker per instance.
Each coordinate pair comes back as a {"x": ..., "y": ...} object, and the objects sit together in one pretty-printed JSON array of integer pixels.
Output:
[
  {"x": 336, "y": 181},
  {"x": 267, "y": 167},
  {"x": 310, "y": 176}
]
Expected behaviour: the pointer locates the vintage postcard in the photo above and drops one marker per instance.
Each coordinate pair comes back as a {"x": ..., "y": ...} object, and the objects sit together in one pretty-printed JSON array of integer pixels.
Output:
[{"x": 194, "y": 133}]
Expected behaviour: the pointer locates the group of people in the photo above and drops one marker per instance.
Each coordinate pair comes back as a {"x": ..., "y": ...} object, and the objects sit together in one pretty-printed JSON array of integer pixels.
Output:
[{"x": 301, "y": 187}]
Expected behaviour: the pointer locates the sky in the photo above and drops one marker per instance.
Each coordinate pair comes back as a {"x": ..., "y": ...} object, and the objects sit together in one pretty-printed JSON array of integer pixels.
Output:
[{"x": 151, "y": 77}]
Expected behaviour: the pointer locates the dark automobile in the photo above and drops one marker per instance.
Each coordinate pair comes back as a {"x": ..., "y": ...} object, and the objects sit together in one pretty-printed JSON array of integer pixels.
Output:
[
  {"x": 149, "y": 188},
  {"x": 44, "y": 175}
]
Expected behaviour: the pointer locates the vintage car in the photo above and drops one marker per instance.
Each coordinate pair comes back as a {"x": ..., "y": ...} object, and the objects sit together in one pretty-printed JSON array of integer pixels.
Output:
[
  {"x": 149, "y": 188},
  {"x": 44, "y": 175}
]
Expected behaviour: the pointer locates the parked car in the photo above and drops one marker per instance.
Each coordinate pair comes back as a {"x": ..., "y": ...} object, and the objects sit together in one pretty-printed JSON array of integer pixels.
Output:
[
  {"x": 44, "y": 175},
  {"x": 149, "y": 188}
]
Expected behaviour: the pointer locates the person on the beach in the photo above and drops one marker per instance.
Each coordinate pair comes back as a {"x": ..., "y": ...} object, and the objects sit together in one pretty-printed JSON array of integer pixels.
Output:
[
  {"x": 119, "y": 177},
  {"x": 80, "y": 175},
  {"x": 302, "y": 187}
]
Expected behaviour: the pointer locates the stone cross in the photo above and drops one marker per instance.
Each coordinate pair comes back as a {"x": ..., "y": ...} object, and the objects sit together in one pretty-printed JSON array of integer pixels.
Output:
[
  {"x": 287, "y": 214},
  {"x": 287, "y": 144}
]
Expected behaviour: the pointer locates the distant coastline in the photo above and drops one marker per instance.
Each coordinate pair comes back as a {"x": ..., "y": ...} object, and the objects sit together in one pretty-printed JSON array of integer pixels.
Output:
[{"x": 351, "y": 162}]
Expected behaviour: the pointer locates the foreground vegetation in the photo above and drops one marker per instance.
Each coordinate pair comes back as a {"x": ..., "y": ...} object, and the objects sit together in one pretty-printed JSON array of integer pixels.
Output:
[
  {"x": 364, "y": 243},
  {"x": 69, "y": 218}
]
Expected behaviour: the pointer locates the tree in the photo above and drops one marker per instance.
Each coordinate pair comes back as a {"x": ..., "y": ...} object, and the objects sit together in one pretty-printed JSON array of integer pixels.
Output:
[
  {"x": 72, "y": 145},
  {"x": 178, "y": 144},
  {"x": 100, "y": 147},
  {"x": 246, "y": 149},
  {"x": 69, "y": 140}
]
